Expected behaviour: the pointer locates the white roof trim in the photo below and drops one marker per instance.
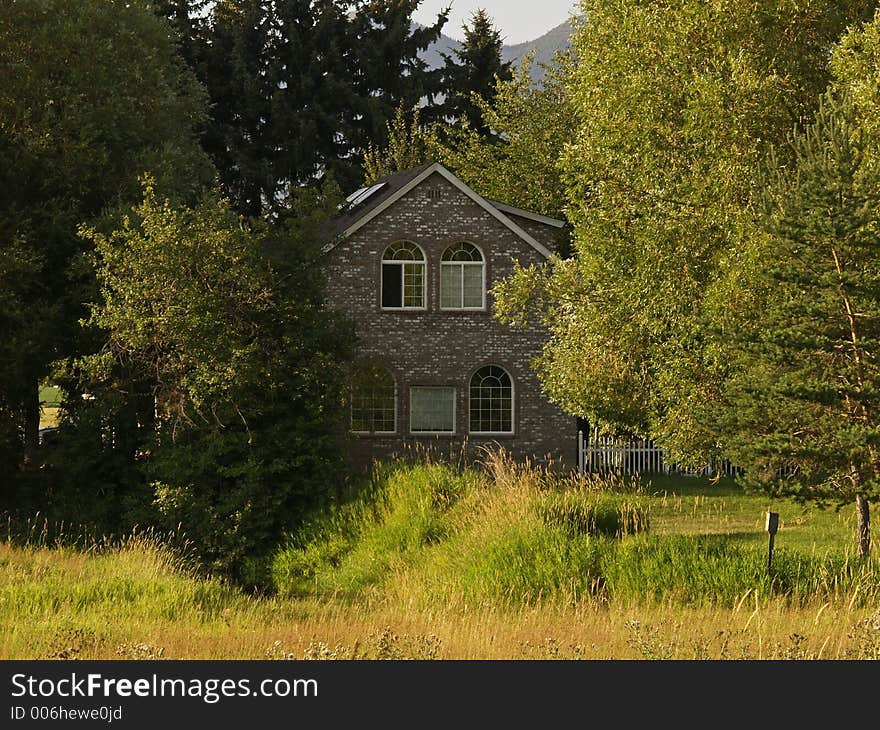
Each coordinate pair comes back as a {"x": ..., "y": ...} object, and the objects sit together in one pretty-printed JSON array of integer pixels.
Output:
[
  {"x": 546, "y": 220},
  {"x": 479, "y": 200}
]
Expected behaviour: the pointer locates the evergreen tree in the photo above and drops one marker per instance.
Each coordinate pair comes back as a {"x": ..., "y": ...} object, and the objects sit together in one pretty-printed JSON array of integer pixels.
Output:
[
  {"x": 474, "y": 70},
  {"x": 388, "y": 70},
  {"x": 187, "y": 20},
  {"x": 802, "y": 409},
  {"x": 301, "y": 88}
]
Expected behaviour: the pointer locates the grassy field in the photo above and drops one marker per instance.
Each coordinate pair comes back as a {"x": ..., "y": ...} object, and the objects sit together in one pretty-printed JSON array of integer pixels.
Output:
[
  {"x": 50, "y": 399},
  {"x": 436, "y": 564}
]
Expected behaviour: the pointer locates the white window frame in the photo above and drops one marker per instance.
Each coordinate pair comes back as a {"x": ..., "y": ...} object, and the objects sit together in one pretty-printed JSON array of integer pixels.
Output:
[
  {"x": 423, "y": 263},
  {"x": 454, "y": 410},
  {"x": 446, "y": 265},
  {"x": 512, "y": 431}
]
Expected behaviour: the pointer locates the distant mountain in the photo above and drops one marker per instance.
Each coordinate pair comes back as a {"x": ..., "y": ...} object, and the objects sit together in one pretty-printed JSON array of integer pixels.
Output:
[{"x": 545, "y": 49}]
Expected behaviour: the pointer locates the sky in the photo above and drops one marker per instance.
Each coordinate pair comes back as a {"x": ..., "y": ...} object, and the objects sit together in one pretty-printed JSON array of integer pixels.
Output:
[{"x": 518, "y": 20}]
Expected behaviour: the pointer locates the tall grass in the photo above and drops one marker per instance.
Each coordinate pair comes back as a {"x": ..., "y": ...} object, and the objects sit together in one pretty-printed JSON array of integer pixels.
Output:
[
  {"x": 508, "y": 533},
  {"x": 511, "y": 534},
  {"x": 705, "y": 569},
  {"x": 357, "y": 546},
  {"x": 430, "y": 561}
]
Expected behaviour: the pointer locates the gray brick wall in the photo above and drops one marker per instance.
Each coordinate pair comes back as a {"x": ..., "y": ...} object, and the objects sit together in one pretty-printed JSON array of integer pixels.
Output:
[{"x": 435, "y": 347}]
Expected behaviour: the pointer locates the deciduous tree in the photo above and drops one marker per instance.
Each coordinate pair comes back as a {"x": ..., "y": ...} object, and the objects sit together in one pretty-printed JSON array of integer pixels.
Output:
[
  {"x": 222, "y": 317},
  {"x": 93, "y": 94},
  {"x": 676, "y": 106}
]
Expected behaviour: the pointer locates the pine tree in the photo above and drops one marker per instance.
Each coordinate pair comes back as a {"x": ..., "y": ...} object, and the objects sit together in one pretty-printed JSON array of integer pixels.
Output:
[
  {"x": 802, "y": 412},
  {"x": 474, "y": 70},
  {"x": 301, "y": 88}
]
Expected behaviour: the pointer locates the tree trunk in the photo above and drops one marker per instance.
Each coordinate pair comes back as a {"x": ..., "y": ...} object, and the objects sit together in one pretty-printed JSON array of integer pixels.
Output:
[{"x": 864, "y": 525}]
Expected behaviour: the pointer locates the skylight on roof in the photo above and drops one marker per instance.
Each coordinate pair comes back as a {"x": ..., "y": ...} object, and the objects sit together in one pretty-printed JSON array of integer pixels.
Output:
[{"x": 361, "y": 196}]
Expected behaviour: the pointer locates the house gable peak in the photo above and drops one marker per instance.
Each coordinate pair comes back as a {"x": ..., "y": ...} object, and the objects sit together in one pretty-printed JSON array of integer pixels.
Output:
[{"x": 395, "y": 186}]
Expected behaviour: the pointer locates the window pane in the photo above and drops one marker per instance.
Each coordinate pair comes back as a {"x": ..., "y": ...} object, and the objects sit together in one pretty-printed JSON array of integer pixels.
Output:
[
  {"x": 491, "y": 401},
  {"x": 413, "y": 285},
  {"x": 462, "y": 252},
  {"x": 403, "y": 251},
  {"x": 450, "y": 286},
  {"x": 472, "y": 295},
  {"x": 432, "y": 409},
  {"x": 392, "y": 292},
  {"x": 373, "y": 402}
]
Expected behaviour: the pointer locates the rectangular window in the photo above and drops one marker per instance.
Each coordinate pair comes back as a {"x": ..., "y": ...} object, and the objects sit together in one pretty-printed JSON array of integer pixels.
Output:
[
  {"x": 413, "y": 285},
  {"x": 461, "y": 285},
  {"x": 450, "y": 286},
  {"x": 432, "y": 410},
  {"x": 472, "y": 286},
  {"x": 373, "y": 410}
]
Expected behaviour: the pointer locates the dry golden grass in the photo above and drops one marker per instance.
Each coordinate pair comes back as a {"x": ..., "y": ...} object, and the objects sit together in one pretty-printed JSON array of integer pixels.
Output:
[
  {"x": 136, "y": 600},
  {"x": 137, "y": 603}
]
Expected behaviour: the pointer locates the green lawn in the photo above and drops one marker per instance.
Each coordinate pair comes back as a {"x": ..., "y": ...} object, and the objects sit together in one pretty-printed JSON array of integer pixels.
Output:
[
  {"x": 50, "y": 399},
  {"x": 694, "y": 505}
]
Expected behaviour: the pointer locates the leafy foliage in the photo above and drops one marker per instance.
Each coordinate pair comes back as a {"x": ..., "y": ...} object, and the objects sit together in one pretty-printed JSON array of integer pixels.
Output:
[
  {"x": 532, "y": 125},
  {"x": 222, "y": 317},
  {"x": 676, "y": 105},
  {"x": 407, "y": 148},
  {"x": 93, "y": 95}
]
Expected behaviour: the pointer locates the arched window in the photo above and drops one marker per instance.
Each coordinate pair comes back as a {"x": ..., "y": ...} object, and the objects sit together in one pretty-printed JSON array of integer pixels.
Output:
[
  {"x": 403, "y": 277},
  {"x": 373, "y": 400},
  {"x": 491, "y": 401},
  {"x": 462, "y": 278}
]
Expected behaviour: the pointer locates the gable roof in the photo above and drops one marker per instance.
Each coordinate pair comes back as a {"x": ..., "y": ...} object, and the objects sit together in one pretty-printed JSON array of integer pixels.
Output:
[{"x": 397, "y": 185}]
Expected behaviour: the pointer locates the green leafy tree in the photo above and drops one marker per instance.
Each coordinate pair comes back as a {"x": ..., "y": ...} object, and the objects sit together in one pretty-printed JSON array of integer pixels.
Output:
[
  {"x": 93, "y": 94},
  {"x": 473, "y": 71},
  {"x": 521, "y": 166},
  {"x": 676, "y": 105},
  {"x": 222, "y": 318},
  {"x": 407, "y": 147},
  {"x": 802, "y": 407}
]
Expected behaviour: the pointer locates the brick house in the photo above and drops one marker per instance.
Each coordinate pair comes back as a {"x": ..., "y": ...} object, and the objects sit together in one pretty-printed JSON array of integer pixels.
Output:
[{"x": 412, "y": 261}]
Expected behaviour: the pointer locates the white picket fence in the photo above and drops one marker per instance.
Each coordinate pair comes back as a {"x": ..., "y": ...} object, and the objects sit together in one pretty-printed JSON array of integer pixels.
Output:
[{"x": 603, "y": 454}]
